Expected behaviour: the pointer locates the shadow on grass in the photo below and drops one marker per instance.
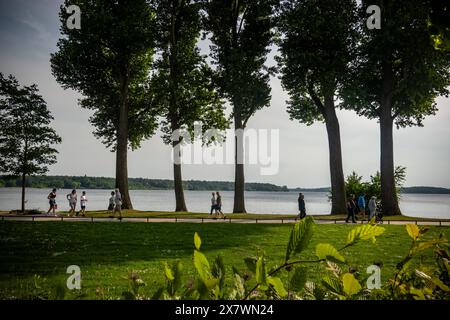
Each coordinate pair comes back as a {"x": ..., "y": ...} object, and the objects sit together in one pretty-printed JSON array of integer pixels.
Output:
[{"x": 27, "y": 248}]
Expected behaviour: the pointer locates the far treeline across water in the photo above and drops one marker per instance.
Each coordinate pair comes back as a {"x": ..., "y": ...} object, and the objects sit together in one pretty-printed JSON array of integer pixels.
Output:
[{"x": 85, "y": 182}]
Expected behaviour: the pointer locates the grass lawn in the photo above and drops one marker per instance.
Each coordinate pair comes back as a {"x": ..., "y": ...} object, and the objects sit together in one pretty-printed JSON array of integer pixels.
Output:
[{"x": 34, "y": 256}]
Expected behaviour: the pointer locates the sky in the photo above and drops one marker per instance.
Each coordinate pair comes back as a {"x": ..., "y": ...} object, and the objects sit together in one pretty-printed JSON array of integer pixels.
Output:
[{"x": 29, "y": 31}]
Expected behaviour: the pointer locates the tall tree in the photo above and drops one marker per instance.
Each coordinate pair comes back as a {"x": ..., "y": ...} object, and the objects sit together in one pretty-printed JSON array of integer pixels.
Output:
[
  {"x": 316, "y": 44},
  {"x": 241, "y": 32},
  {"x": 182, "y": 85},
  {"x": 108, "y": 60},
  {"x": 26, "y": 140},
  {"x": 396, "y": 77}
]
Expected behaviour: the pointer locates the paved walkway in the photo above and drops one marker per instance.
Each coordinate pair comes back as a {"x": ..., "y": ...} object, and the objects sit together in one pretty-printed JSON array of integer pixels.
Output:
[{"x": 202, "y": 220}]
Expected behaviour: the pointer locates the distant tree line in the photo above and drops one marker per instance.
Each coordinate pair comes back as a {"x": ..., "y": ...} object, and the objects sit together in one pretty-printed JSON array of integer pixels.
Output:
[{"x": 85, "y": 182}]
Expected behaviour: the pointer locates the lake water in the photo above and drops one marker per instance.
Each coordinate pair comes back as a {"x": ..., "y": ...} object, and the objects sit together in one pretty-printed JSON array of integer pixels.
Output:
[{"x": 415, "y": 205}]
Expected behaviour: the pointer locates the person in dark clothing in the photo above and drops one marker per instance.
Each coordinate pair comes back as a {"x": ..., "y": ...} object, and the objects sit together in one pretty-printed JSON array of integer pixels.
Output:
[
  {"x": 351, "y": 208},
  {"x": 301, "y": 205}
]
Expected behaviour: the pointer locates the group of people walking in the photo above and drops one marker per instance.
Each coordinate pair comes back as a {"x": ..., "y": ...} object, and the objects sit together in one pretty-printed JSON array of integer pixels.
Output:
[
  {"x": 216, "y": 205},
  {"x": 354, "y": 207},
  {"x": 114, "y": 206}
]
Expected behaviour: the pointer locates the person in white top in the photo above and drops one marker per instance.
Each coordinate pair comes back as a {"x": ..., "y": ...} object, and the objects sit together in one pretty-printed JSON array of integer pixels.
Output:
[
  {"x": 118, "y": 204},
  {"x": 372, "y": 207},
  {"x": 83, "y": 200},
  {"x": 72, "y": 198}
]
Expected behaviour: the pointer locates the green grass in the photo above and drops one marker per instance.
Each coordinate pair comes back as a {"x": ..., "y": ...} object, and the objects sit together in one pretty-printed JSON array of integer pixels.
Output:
[{"x": 108, "y": 252}]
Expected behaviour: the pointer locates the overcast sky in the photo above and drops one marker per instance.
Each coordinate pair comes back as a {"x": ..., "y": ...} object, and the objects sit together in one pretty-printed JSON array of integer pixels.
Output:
[{"x": 29, "y": 31}]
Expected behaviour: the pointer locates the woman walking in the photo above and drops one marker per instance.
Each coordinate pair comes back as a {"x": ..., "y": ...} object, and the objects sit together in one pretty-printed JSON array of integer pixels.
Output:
[
  {"x": 72, "y": 198},
  {"x": 372, "y": 207},
  {"x": 111, "y": 204},
  {"x": 52, "y": 202},
  {"x": 219, "y": 204},
  {"x": 118, "y": 204}
]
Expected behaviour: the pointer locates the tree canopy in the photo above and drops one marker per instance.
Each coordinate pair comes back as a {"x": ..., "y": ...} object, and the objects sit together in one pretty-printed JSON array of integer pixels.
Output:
[{"x": 26, "y": 139}]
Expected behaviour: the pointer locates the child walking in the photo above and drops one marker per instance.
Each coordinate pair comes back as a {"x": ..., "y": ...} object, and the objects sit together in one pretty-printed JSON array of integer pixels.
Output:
[{"x": 83, "y": 201}]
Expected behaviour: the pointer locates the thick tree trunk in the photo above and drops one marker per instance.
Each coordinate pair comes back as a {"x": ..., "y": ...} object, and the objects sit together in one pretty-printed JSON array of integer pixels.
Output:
[
  {"x": 338, "y": 197},
  {"x": 239, "y": 180},
  {"x": 122, "y": 145},
  {"x": 23, "y": 193},
  {"x": 389, "y": 200},
  {"x": 179, "y": 192}
]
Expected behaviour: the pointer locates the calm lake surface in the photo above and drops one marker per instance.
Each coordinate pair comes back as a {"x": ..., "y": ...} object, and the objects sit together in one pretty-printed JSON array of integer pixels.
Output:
[{"x": 415, "y": 205}]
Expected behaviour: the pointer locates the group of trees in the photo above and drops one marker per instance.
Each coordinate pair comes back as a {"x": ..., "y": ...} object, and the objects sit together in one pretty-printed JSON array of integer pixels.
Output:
[
  {"x": 137, "y": 61},
  {"x": 137, "y": 64},
  {"x": 330, "y": 57}
]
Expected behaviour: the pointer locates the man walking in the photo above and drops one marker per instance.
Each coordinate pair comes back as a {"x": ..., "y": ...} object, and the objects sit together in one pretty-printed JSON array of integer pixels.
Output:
[
  {"x": 351, "y": 208},
  {"x": 362, "y": 205},
  {"x": 213, "y": 203},
  {"x": 301, "y": 205}
]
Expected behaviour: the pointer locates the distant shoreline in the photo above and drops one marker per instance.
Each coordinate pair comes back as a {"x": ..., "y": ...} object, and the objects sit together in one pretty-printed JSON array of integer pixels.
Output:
[{"x": 86, "y": 182}]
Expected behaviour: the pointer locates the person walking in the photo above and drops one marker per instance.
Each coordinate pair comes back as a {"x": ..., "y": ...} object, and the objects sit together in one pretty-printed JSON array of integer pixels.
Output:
[
  {"x": 83, "y": 200},
  {"x": 219, "y": 204},
  {"x": 301, "y": 205},
  {"x": 118, "y": 204},
  {"x": 72, "y": 198},
  {"x": 111, "y": 204},
  {"x": 52, "y": 202},
  {"x": 351, "y": 208},
  {"x": 362, "y": 205},
  {"x": 372, "y": 207},
  {"x": 213, "y": 204}
]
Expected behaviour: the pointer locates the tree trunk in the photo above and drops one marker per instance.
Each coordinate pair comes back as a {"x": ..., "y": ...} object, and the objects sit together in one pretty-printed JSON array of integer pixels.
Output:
[
  {"x": 122, "y": 144},
  {"x": 179, "y": 192},
  {"x": 239, "y": 180},
  {"x": 338, "y": 196},
  {"x": 23, "y": 192},
  {"x": 389, "y": 200}
]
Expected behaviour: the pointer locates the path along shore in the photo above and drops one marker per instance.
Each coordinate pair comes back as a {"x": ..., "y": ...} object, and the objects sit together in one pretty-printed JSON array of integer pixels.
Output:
[{"x": 47, "y": 218}]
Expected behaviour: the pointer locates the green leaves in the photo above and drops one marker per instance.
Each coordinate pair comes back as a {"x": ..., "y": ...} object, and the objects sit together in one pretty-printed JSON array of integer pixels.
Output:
[
  {"x": 328, "y": 252},
  {"x": 351, "y": 286},
  {"x": 260, "y": 271},
  {"x": 365, "y": 232},
  {"x": 197, "y": 241},
  {"x": 413, "y": 231},
  {"x": 300, "y": 236},
  {"x": 276, "y": 284},
  {"x": 298, "y": 278}
]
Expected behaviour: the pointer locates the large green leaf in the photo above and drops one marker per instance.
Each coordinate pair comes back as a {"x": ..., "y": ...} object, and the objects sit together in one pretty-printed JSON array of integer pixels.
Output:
[
  {"x": 298, "y": 278},
  {"x": 251, "y": 264},
  {"x": 413, "y": 231},
  {"x": 168, "y": 272},
  {"x": 333, "y": 284},
  {"x": 197, "y": 241},
  {"x": 328, "y": 252},
  {"x": 277, "y": 285},
  {"x": 350, "y": 284},
  {"x": 261, "y": 271},
  {"x": 300, "y": 236},
  {"x": 365, "y": 232},
  {"x": 204, "y": 270}
]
